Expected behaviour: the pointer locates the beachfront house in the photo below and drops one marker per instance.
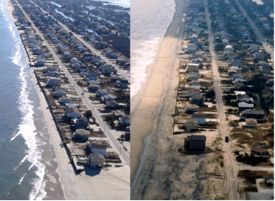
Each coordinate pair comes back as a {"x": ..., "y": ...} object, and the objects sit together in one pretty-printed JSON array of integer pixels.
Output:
[
  {"x": 71, "y": 113},
  {"x": 52, "y": 73},
  {"x": 189, "y": 126},
  {"x": 112, "y": 104},
  {"x": 97, "y": 147},
  {"x": 39, "y": 62},
  {"x": 53, "y": 82},
  {"x": 93, "y": 88},
  {"x": 195, "y": 143},
  {"x": 81, "y": 123},
  {"x": 58, "y": 94},
  {"x": 81, "y": 135},
  {"x": 193, "y": 67},
  {"x": 123, "y": 122},
  {"x": 96, "y": 160},
  {"x": 197, "y": 99}
]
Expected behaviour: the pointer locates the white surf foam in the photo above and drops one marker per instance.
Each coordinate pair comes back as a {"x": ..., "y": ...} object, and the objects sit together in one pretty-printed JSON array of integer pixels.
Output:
[
  {"x": 258, "y": 2},
  {"x": 22, "y": 178},
  {"x": 148, "y": 26},
  {"x": 27, "y": 128},
  {"x": 122, "y": 3}
]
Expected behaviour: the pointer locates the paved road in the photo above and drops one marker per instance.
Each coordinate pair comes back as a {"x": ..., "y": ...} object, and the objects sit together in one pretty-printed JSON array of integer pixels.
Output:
[
  {"x": 268, "y": 48},
  {"x": 85, "y": 99},
  {"x": 120, "y": 72},
  {"x": 223, "y": 127}
]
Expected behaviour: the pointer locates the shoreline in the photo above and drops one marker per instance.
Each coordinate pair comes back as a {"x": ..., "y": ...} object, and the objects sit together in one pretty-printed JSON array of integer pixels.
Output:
[
  {"x": 156, "y": 96},
  {"x": 135, "y": 100},
  {"x": 41, "y": 107}
]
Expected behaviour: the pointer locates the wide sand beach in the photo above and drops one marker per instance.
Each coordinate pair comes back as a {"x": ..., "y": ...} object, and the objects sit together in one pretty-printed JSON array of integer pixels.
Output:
[{"x": 152, "y": 108}]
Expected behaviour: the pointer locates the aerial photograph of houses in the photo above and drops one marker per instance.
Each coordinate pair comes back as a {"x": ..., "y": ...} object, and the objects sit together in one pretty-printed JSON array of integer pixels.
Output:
[
  {"x": 136, "y": 99},
  {"x": 65, "y": 99},
  {"x": 202, "y": 119}
]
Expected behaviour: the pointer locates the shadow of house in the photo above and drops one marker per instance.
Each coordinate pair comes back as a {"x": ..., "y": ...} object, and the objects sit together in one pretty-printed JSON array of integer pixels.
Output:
[{"x": 92, "y": 171}]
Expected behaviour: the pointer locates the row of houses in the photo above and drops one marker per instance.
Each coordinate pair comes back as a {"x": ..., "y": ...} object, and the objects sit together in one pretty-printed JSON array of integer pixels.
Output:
[
  {"x": 99, "y": 78},
  {"x": 193, "y": 115},
  {"x": 248, "y": 73},
  {"x": 101, "y": 26},
  {"x": 80, "y": 134}
]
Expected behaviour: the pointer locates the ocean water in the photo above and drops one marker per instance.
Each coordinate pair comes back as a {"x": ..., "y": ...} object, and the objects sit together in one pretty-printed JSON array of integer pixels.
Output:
[
  {"x": 149, "y": 22},
  {"x": 22, "y": 174}
]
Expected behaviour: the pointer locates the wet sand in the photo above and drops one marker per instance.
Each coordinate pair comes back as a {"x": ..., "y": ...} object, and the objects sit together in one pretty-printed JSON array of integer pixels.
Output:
[{"x": 152, "y": 108}]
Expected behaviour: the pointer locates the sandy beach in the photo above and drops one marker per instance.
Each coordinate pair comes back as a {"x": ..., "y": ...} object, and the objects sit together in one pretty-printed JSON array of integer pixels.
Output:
[{"x": 153, "y": 107}]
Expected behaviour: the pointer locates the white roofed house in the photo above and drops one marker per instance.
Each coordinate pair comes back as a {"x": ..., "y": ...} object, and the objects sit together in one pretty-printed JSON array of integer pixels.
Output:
[
  {"x": 193, "y": 67},
  {"x": 244, "y": 106}
]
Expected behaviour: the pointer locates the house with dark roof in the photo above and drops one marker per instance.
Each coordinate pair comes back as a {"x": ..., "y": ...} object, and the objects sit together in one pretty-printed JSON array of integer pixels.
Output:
[{"x": 195, "y": 143}]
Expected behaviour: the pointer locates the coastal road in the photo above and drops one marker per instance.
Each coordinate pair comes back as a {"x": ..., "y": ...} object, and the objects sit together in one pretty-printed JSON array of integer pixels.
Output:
[
  {"x": 120, "y": 72},
  {"x": 268, "y": 48},
  {"x": 80, "y": 92},
  {"x": 230, "y": 167}
]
